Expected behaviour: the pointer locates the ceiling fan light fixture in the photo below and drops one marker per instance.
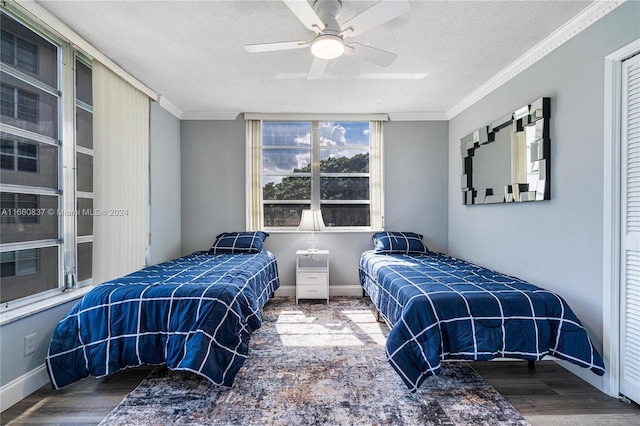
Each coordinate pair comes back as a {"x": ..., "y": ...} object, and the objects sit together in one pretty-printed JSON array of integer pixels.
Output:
[{"x": 327, "y": 46}]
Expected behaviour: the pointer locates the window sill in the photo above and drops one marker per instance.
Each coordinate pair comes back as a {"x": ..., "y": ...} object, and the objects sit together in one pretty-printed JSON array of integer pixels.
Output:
[{"x": 21, "y": 312}]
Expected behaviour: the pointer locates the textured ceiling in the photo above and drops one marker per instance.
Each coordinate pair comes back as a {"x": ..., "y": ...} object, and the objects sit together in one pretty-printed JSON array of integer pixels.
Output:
[{"x": 191, "y": 52}]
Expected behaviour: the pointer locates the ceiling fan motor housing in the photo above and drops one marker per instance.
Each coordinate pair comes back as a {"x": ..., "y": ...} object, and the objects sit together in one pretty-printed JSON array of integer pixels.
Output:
[
  {"x": 329, "y": 43},
  {"x": 328, "y": 11}
]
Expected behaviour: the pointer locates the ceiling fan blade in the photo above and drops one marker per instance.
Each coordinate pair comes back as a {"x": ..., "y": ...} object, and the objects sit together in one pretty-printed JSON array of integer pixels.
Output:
[
  {"x": 270, "y": 47},
  {"x": 317, "y": 68},
  {"x": 370, "y": 54},
  {"x": 305, "y": 13},
  {"x": 377, "y": 14}
]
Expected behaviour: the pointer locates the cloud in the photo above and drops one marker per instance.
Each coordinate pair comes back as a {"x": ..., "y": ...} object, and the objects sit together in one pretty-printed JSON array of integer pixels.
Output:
[
  {"x": 332, "y": 134},
  {"x": 297, "y": 136}
]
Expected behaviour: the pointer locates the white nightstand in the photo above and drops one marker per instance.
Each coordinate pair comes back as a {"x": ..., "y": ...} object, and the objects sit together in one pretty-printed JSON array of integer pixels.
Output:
[{"x": 312, "y": 274}]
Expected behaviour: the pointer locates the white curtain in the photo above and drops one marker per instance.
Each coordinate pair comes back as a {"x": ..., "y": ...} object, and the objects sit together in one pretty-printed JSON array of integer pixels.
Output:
[
  {"x": 254, "y": 173},
  {"x": 376, "y": 176},
  {"x": 120, "y": 175}
]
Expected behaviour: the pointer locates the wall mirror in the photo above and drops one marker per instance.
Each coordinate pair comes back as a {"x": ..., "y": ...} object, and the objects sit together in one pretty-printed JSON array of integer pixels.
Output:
[{"x": 508, "y": 160}]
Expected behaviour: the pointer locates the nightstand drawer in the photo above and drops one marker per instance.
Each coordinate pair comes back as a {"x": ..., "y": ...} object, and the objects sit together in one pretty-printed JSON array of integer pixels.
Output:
[
  {"x": 312, "y": 274},
  {"x": 311, "y": 278},
  {"x": 312, "y": 292}
]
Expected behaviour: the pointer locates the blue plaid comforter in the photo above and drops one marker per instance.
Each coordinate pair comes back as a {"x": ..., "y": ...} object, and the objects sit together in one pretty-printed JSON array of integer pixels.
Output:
[
  {"x": 195, "y": 313},
  {"x": 444, "y": 308}
]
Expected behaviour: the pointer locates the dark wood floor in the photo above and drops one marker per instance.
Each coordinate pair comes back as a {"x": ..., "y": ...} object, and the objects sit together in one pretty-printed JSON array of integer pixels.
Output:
[{"x": 549, "y": 395}]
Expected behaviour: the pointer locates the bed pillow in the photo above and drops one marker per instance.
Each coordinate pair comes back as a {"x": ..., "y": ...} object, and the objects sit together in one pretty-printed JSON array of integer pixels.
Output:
[
  {"x": 398, "y": 242},
  {"x": 239, "y": 242}
]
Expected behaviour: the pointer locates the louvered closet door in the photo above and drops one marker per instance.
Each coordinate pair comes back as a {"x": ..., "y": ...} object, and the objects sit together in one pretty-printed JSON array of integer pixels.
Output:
[{"x": 630, "y": 230}]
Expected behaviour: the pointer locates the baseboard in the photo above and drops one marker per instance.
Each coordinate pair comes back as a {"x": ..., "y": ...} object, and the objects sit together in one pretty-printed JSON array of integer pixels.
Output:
[
  {"x": 334, "y": 291},
  {"x": 20, "y": 388},
  {"x": 345, "y": 290},
  {"x": 286, "y": 291}
]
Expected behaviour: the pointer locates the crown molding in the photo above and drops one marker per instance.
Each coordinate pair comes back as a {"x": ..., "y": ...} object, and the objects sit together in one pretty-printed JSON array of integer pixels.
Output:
[
  {"x": 315, "y": 116},
  {"x": 169, "y": 106},
  {"x": 590, "y": 15},
  {"x": 210, "y": 115},
  {"x": 418, "y": 116}
]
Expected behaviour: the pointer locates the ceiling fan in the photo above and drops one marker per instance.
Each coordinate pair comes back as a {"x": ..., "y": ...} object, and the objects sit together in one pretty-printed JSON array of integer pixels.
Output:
[{"x": 329, "y": 41}]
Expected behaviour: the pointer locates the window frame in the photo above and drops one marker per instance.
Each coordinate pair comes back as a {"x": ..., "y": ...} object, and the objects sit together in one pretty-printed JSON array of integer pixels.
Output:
[
  {"x": 16, "y": 40},
  {"x": 21, "y": 271},
  {"x": 64, "y": 140},
  {"x": 16, "y": 213},
  {"x": 17, "y": 271},
  {"x": 16, "y": 156},
  {"x": 255, "y": 201},
  {"x": 18, "y": 108}
]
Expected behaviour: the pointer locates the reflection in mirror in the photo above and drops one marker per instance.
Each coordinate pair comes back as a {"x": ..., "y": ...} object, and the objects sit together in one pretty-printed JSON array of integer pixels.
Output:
[{"x": 508, "y": 160}]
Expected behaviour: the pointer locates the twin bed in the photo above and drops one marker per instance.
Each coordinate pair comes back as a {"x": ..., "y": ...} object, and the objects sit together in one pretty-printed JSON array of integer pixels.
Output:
[
  {"x": 197, "y": 313},
  {"x": 441, "y": 308}
]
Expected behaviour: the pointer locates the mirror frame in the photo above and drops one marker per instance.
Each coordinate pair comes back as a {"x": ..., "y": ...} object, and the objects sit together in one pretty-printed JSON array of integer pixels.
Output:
[{"x": 536, "y": 115}]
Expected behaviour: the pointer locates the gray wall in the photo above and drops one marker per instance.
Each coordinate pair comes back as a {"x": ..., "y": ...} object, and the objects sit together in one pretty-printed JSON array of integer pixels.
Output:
[
  {"x": 415, "y": 180},
  {"x": 214, "y": 182},
  {"x": 14, "y": 364},
  {"x": 556, "y": 244},
  {"x": 165, "y": 188}
]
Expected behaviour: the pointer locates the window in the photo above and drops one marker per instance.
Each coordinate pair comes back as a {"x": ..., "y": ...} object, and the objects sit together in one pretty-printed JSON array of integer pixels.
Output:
[
  {"x": 330, "y": 165},
  {"x": 19, "y": 52},
  {"x": 20, "y": 104},
  {"x": 19, "y": 156},
  {"x": 46, "y": 160},
  {"x": 18, "y": 208},
  {"x": 84, "y": 172},
  {"x": 24, "y": 262}
]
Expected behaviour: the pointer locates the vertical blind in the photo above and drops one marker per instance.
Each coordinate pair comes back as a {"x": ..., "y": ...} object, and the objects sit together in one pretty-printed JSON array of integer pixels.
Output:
[
  {"x": 121, "y": 175},
  {"x": 254, "y": 173},
  {"x": 376, "y": 176}
]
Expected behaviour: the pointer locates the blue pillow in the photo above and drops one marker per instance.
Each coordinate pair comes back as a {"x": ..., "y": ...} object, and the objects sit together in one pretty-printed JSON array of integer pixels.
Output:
[
  {"x": 398, "y": 242},
  {"x": 239, "y": 242}
]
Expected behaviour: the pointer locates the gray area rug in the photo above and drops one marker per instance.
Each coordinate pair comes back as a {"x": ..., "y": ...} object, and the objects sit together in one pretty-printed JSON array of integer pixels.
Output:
[{"x": 317, "y": 364}]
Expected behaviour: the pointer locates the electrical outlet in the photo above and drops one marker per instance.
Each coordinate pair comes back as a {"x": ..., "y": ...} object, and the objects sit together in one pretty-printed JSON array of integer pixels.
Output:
[{"x": 29, "y": 344}]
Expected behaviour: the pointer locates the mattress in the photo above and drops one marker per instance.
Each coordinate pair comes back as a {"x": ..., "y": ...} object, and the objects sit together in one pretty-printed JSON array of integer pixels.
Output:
[
  {"x": 442, "y": 308},
  {"x": 195, "y": 313}
]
